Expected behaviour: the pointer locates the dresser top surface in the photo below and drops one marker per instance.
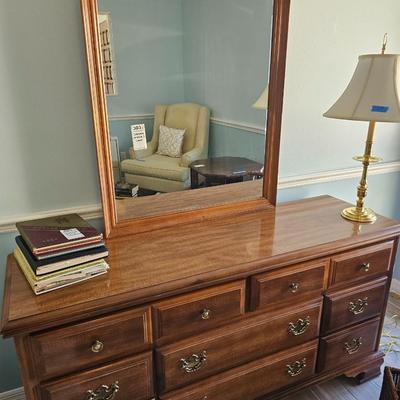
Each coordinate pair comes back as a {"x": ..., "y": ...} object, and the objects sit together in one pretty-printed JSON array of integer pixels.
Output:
[{"x": 152, "y": 265}]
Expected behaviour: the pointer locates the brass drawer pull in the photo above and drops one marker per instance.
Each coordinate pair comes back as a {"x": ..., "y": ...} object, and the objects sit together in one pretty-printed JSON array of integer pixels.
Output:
[
  {"x": 365, "y": 266},
  {"x": 194, "y": 362},
  {"x": 97, "y": 346},
  {"x": 359, "y": 306},
  {"x": 294, "y": 287},
  {"x": 296, "y": 368},
  {"x": 353, "y": 346},
  {"x": 206, "y": 314},
  {"x": 104, "y": 392},
  {"x": 299, "y": 327}
]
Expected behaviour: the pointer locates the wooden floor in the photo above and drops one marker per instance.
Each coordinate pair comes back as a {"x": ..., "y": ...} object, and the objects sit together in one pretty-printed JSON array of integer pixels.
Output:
[{"x": 346, "y": 389}]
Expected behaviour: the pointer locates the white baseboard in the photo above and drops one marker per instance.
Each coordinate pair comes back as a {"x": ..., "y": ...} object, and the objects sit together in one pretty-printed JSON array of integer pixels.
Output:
[{"x": 15, "y": 394}]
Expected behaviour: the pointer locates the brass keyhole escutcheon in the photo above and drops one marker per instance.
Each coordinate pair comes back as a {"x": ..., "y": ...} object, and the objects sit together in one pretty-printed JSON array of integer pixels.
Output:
[{"x": 97, "y": 346}]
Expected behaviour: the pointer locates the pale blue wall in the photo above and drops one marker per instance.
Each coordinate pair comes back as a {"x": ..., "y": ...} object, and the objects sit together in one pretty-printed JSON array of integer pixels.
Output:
[
  {"x": 46, "y": 144},
  {"x": 147, "y": 37},
  {"x": 47, "y": 158},
  {"x": 9, "y": 370},
  {"x": 226, "y": 141},
  {"x": 214, "y": 53},
  {"x": 226, "y": 55}
]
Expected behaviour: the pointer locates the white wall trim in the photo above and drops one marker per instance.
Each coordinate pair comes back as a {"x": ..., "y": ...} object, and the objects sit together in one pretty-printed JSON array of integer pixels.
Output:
[
  {"x": 15, "y": 394},
  {"x": 129, "y": 117},
  {"x": 217, "y": 121},
  {"x": 91, "y": 211},
  {"x": 336, "y": 175},
  {"x": 238, "y": 125}
]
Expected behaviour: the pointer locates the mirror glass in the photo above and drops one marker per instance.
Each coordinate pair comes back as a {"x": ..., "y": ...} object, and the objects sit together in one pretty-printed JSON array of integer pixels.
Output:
[{"x": 185, "y": 88}]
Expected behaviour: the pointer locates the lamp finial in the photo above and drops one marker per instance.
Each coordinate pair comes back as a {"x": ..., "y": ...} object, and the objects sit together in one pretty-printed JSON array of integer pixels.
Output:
[{"x": 384, "y": 44}]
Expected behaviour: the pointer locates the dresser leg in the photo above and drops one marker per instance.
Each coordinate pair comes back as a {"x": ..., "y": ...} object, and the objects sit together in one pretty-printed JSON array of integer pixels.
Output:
[
  {"x": 368, "y": 374},
  {"x": 369, "y": 371}
]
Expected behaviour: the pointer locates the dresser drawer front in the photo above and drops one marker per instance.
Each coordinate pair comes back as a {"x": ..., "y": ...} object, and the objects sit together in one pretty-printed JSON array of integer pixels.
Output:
[
  {"x": 202, "y": 310},
  {"x": 362, "y": 263},
  {"x": 85, "y": 344},
  {"x": 254, "y": 379},
  {"x": 130, "y": 379},
  {"x": 348, "y": 346},
  {"x": 354, "y": 305},
  {"x": 289, "y": 285},
  {"x": 228, "y": 347}
]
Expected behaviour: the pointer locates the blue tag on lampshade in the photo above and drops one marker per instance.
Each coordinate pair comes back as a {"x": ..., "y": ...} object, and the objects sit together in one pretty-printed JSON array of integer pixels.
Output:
[{"x": 380, "y": 109}]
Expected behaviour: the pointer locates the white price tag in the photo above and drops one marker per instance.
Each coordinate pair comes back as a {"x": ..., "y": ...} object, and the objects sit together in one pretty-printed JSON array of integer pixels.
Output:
[
  {"x": 72, "y": 234},
  {"x": 139, "y": 137}
]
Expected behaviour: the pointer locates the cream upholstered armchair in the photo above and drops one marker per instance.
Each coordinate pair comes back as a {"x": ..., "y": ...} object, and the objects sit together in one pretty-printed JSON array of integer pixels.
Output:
[{"x": 161, "y": 173}]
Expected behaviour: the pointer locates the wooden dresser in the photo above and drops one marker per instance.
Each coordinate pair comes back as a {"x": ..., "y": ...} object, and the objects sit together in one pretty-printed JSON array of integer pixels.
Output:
[{"x": 258, "y": 305}]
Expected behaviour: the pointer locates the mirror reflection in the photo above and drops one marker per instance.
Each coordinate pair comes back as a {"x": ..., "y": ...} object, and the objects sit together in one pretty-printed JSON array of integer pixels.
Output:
[{"x": 185, "y": 84}]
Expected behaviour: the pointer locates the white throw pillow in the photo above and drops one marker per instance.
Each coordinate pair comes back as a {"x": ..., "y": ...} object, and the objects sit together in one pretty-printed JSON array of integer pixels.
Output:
[{"x": 170, "y": 141}]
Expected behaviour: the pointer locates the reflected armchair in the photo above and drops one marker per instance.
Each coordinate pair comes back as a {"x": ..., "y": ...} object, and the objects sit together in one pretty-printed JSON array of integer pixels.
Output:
[{"x": 167, "y": 174}]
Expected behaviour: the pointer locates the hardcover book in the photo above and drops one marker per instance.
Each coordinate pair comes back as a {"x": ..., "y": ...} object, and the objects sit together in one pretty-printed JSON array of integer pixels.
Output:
[
  {"x": 51, "y": 264},
  {"x": 60, "y": 279},
  {"x": 57, "y": 233}
]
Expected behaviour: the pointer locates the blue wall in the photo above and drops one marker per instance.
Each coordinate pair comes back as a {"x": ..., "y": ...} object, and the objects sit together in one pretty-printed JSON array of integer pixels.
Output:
[
  {"x": 147, "y": 37},
  {"x": 9, "y": 370},
  {"x": 226, "y": 55},
  {"x": 214, "y": 53}
]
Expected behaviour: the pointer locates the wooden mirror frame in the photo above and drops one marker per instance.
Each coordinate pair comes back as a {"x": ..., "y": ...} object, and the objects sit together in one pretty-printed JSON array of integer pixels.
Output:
[{"x": 179, "y": 207}]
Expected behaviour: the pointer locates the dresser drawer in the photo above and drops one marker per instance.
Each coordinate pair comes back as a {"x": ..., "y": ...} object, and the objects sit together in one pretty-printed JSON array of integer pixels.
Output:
[
  {"x": 196, "y": 358},
  {"x": 353, "y": 305},
  {"x": 346, "y": 346},
  {"x": 131, "y": 379},
  {"x": 363, "y": 263},
  {"x": 85, "y": 344},
  {"x": 202, "y": 310},
  {"x": 255, "y": 379},
  {"x": 289, "y": 285}
]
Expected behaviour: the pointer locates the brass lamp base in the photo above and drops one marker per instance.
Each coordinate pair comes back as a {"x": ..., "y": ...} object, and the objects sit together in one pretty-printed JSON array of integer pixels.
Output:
[{"x": 364, "y": 215}]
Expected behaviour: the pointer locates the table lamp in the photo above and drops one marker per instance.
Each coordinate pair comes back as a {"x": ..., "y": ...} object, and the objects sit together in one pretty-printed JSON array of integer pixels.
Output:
[
  {"x": 262, "y": 101},
  {"x": 372, "y": 95}
]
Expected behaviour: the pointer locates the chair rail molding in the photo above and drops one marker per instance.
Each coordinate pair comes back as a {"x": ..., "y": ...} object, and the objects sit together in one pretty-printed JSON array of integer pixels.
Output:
[
  {"x": 243, "y": 126},
  {"x": 91, "y": 211},
  {"x": 15, "y": 394},
  {"x": 336, "y": 175}
]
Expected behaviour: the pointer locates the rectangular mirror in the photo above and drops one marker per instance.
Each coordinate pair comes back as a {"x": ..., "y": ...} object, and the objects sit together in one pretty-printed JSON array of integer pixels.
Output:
[{"x": 180, "y": 98}]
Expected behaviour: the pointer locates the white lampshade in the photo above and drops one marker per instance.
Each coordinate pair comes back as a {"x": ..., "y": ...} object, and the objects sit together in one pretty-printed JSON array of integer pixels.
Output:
[
  {"x": 373, "y": 92},
  {"x": 262, "y": 102}
]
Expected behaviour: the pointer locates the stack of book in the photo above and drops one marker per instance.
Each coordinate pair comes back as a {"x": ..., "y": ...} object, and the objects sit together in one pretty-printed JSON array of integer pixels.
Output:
[
  {"x": 59, "y": 251},
  {"x": 126, "y": 190}
]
